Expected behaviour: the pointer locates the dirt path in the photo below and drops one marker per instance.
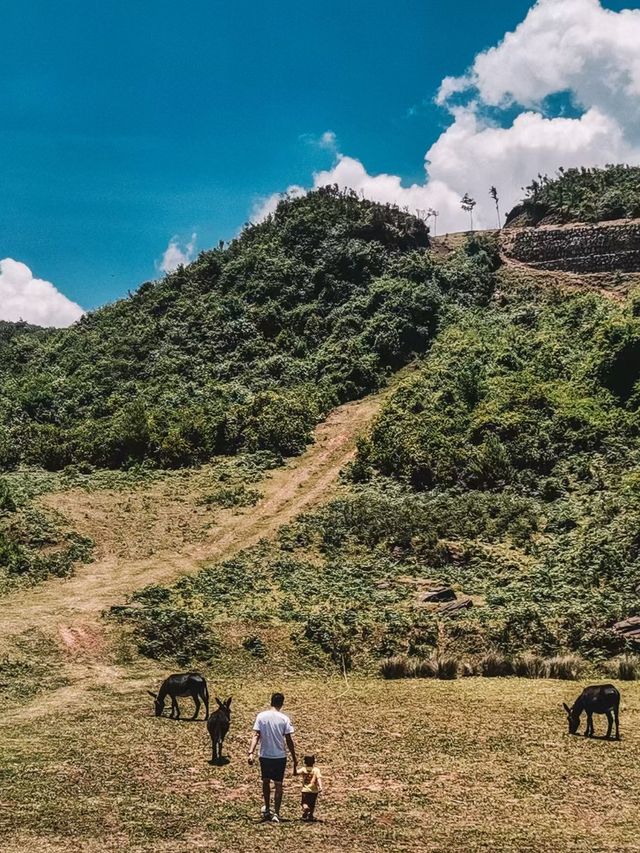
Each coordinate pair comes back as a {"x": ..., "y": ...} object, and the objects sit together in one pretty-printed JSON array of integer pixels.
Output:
[
  {"x": 514, "y": 272},
  {"x": 70, "y": 609}
]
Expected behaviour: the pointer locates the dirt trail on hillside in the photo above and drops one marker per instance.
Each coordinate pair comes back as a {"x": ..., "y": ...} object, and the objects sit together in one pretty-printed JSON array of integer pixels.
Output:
[
  {"x": 70, "y": 609},
  {"x": 514, "y": 272}
]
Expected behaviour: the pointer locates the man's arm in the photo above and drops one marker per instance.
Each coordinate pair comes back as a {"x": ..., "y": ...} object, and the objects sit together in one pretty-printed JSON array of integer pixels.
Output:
[
  {"x": 292, "y": 749},
  {"x": 255, "y": 737}
]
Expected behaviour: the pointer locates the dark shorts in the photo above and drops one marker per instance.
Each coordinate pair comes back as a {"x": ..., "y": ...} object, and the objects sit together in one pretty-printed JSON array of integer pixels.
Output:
[
  {"x": 273, "y": 768},
  {"x": 309, "y": 800}
]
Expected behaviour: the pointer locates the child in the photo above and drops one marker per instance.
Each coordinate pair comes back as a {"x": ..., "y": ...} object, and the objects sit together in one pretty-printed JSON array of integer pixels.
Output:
[{"x": 311, "y": 786}]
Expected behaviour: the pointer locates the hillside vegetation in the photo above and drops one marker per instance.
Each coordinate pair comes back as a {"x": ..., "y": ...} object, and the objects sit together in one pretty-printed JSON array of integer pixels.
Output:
[
  {"x": 244, "y": 349},
  {"x": 580, "y": 195},
  {"x": 508, "y": 466},
  {"x": 503, "y": 460}
]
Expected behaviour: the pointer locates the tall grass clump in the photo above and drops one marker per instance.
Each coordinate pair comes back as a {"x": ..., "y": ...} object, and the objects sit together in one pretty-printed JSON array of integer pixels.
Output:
[
  {"x": 424, "y": 668},
  {"x": 625, "y": 668},
  {"x": 495, "y": 665},
  {"x": 564, "y": 667},
  {"x": 402, "y": 666},
  {"x": 529, "y": 666},
  {"x": 446, "y": 668},
  {"x": 398, "y": 666}
]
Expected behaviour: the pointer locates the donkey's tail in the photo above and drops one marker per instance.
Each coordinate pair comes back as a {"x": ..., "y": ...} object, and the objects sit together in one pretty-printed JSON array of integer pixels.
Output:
[{"x": 205, "y": 691}]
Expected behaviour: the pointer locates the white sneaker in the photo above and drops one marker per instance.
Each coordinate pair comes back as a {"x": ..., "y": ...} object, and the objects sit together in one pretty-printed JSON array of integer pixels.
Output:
[
  {"x": 266, "y": 814},
  {"x": 275, "y": 818}
]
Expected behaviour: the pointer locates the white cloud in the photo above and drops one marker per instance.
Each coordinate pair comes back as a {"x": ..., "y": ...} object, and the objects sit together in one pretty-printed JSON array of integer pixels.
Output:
[
  {"x": 328, "y": 140},
  {"x": 23, "y": 297},
  {"x": 562, "y": 46},
  {"x": 176, "y": 255}
]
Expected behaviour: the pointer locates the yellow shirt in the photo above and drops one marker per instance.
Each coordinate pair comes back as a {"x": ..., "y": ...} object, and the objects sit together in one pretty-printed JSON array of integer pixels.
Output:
[{"x": 311, "y": 779}]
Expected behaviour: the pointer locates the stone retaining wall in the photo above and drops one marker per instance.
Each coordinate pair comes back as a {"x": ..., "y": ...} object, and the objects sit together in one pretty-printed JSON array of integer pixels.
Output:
[{"x": 585, "y": 248}]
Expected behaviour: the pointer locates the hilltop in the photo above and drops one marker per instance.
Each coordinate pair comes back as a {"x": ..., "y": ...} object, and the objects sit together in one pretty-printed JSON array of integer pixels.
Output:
[
  {"x": 244, "y": 349},
  {"x": 579, "y": 195}
]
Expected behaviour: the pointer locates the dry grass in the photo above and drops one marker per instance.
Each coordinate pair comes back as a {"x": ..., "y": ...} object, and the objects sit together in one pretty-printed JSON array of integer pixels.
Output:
[{"x": 472, "y": 764}]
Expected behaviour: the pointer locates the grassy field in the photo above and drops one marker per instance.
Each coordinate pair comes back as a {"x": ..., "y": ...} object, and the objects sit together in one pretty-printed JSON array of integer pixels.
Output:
[
  {"x": 473, "y": 764},
  {"x": 421, "y": 765}
]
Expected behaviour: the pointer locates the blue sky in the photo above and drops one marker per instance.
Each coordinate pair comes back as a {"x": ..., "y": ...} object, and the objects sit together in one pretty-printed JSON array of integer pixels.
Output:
[{"x": 126, "y": 124}]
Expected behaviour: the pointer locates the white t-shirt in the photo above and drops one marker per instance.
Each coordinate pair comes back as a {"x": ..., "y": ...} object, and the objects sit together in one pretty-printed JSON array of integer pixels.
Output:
[{"x": 273, "y": 726}]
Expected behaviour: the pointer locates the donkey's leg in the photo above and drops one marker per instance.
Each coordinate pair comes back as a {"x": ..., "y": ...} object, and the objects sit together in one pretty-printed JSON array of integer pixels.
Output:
[
  {"x": 177, "y": 709},
  {"x": 609, "y": 723},
  {"x": 197, "y": 704},
  {"x": 588, "y": 732},
  {"x": 206, "y": 705},
  {"x": 615, "y": 714}
]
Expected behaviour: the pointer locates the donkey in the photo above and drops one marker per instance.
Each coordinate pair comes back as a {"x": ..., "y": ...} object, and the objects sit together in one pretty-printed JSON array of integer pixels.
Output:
[
  {"x": 218, "y": 726},
  {"x": 182, "y": 684},
  {"x": 597, "y": 699}
]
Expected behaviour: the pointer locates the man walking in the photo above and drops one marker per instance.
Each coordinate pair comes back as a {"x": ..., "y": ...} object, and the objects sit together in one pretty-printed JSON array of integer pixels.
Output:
[{"x": 272, "y": 730}]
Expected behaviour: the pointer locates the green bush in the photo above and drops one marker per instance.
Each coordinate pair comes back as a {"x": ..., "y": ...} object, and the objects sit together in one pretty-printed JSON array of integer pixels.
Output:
[
  {"x": 178, "y": 635},
  {"x": 582, "y": 195}
]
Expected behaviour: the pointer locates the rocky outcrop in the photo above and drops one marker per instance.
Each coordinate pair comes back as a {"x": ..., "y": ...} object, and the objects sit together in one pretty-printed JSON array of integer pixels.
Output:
[
  {"x": 580, "y": 249},
  {"x": 629, "y": 628},
  {"x": 442, "y": 593},
  {"x": 454, "y": 607}
]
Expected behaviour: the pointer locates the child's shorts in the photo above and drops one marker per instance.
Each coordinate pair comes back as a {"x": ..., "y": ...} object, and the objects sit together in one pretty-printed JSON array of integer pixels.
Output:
[{"x": 309, "y": 800}]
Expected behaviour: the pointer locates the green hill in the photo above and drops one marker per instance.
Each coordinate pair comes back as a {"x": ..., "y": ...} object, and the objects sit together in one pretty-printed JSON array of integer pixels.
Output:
[
  {"x": 244, "y": 349},
  {"x": 508, "y": 466}
]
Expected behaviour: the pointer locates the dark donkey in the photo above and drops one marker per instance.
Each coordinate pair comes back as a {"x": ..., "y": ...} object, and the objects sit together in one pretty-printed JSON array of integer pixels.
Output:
[
  {"x": 182, "y": 684},
  {"x": 218, "y": 726},
  {"x": 597, "y": 699}
]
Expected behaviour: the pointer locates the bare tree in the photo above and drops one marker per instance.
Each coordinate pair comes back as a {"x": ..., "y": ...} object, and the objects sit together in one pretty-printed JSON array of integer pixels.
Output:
[
  {"x": 493, "y": 192},
  {"x": 435, "y": 214},
  {"x": 467, "y": 204}
]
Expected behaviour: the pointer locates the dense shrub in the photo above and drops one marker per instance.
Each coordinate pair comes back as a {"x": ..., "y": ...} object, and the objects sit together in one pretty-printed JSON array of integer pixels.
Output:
[{"x": 174, "y": 634}]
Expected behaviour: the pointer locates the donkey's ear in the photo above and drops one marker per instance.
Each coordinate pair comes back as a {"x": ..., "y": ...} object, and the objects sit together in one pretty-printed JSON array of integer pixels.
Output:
[
  {"x": 566, "y": 707},
  {"x": 152, "y": 694},
  {"x": 220, "y": 702},
  {"x": 228, "y": 702}
]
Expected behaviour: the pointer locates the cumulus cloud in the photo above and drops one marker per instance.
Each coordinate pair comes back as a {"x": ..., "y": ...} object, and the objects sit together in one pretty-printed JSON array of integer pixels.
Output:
[
  {"x": 562, "y": 47},
  {"x": 23, "y": 297},
  {"x": 176, "y": 255}
]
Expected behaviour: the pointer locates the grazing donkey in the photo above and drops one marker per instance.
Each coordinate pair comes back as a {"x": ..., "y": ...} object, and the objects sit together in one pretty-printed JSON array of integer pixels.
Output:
[
  {"x": 218, "y": 726},
  {"x": 182, "y": 684},
  {"x": 597, "y": 699}
]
